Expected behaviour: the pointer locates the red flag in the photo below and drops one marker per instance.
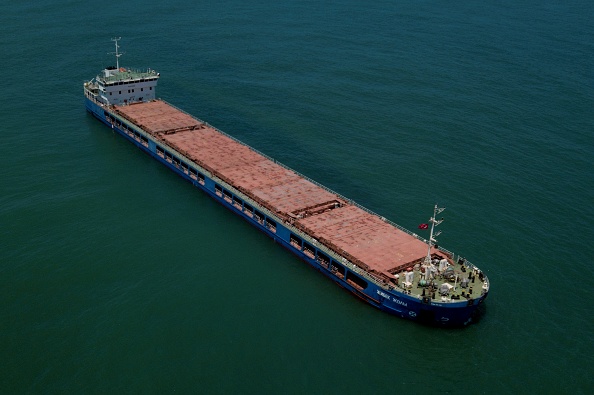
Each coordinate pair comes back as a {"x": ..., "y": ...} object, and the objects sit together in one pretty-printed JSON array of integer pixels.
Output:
[{"x": 423, "y": 226}]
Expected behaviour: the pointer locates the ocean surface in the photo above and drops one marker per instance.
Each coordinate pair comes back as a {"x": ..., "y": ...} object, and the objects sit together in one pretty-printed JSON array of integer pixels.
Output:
[{"x": 116, "y": 276}]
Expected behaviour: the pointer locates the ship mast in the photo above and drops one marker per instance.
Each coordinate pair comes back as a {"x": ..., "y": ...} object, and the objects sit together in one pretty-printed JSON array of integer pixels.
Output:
[
  {"x": 116, "y": 53},
  {"x": 432, "y": 237}
]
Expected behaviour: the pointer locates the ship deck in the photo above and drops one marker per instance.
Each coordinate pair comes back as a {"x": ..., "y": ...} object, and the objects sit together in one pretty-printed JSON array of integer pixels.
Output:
[{"x": 365, "y": 239}]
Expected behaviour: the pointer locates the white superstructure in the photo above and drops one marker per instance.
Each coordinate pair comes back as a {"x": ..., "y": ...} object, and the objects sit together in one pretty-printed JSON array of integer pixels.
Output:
[{"x": 121, "y": 86}]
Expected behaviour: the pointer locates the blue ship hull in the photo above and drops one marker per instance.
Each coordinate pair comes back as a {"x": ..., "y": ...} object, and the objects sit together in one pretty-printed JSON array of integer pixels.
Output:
[{"x": 393, "y": 302}]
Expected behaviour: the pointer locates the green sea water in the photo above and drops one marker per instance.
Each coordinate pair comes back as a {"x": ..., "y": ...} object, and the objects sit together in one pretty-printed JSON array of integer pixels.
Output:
[{"x": 116, "y": 276}]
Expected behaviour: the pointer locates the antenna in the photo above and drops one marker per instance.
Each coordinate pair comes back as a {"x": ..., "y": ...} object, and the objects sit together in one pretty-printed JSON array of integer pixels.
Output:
[
  {"x": 432, "y": 236},
  {"x": 116, "y": 53}
]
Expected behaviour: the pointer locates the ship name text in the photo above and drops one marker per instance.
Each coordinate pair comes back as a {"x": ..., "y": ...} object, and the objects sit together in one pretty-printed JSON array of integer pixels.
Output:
[{"x": 396, "y": 300}]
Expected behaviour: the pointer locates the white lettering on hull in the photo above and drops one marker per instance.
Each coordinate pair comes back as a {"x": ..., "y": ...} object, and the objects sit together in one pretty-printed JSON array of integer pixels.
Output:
[
  {"x": 398, "y": 301},
  {"x": 385, "y": 295}
]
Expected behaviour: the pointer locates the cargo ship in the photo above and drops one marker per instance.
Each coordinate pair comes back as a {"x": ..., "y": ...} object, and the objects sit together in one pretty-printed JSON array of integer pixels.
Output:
[{"x": 380, "y": 262}]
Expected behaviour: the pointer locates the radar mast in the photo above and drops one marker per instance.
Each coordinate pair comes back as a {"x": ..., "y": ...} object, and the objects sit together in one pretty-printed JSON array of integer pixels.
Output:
[
  {"x": 432, "y": 237},
  {"x": 116, "y": 53}
]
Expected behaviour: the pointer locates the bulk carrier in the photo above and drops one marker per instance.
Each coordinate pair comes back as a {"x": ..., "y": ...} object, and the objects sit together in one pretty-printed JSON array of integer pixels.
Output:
[{"x": 380, "y": 262}]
